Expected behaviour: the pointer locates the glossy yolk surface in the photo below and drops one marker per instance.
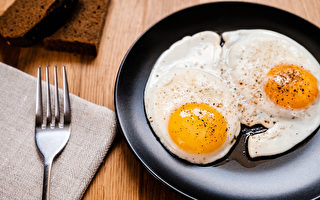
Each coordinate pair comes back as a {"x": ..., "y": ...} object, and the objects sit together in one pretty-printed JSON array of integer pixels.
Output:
[
  {"x": 197, "y": 128},
  {"x": 291, "y": 86}
]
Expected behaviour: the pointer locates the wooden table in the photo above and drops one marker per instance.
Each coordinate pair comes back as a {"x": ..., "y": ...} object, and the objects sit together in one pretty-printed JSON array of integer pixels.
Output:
[{"x": 121, "y": 176}]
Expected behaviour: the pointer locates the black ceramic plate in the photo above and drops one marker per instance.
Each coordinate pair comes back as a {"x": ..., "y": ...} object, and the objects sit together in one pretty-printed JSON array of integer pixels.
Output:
[{"x": 295, "y": 175}]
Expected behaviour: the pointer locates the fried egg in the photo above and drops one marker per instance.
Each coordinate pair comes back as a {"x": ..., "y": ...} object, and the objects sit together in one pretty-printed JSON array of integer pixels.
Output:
[
  {"x": 276, "y": 82},
  {"x": 190, "y": 108}
]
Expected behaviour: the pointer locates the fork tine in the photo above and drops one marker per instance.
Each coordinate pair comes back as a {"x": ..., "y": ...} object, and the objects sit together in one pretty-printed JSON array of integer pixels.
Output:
[
  {"x": 67, "y": 109},
  {"x": 39, "y": 100},
  {"x": 49, "y": 116},
  {"x": 56, "y": 99}
]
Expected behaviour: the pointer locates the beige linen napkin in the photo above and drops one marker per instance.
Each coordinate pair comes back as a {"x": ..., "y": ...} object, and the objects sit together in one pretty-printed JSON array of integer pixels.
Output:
[{"x": 21, "y": 168}]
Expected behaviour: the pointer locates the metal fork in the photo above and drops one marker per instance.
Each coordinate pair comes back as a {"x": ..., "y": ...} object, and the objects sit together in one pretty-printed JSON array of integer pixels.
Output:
[{"x": 51, "y": 135}]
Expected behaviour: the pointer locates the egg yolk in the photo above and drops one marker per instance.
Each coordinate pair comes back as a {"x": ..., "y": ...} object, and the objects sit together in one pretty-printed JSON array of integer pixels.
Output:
[
  {"x": 291, "y": 86},
  {"x": 197, "y": 128}
]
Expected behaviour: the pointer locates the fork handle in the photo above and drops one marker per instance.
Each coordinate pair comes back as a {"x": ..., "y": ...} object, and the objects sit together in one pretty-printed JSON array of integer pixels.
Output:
[{"x": 46, "y": 179}]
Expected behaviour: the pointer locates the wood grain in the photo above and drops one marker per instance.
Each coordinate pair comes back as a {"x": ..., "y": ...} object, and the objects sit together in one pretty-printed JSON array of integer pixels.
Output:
[{"x": 121, "y": 176}]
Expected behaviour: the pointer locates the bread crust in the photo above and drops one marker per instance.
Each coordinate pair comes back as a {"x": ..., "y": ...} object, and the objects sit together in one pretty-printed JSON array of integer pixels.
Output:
[{"x": 82, "y": 32}]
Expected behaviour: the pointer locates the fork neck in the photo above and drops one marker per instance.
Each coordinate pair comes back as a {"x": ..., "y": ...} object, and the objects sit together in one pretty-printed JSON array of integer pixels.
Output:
[
  {"x": 46, "y": 179},
  {"x": 48, "y": 161}
]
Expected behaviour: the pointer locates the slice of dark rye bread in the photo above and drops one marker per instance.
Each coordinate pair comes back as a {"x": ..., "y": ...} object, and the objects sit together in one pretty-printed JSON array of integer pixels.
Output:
[
  {"x": 82, "y": 32},
  {"x": 26, "y": 22}
]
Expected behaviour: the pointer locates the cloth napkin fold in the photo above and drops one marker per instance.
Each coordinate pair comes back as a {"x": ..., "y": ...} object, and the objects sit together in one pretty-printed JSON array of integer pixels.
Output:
[{"x": 21, "y": 165}]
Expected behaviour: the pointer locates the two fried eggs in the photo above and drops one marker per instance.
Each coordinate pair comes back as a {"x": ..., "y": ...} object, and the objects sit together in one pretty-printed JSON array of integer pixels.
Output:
[{"x": 199, "y": 93}]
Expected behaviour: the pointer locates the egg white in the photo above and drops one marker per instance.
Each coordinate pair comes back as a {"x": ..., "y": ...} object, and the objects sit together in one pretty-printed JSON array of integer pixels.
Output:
[
  {"x": 201, "y": 51},
  {"x": 181, "y": 86},
  {"x": 188, "y": 72},
  {"x": 247, "y": 57}
]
